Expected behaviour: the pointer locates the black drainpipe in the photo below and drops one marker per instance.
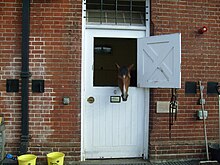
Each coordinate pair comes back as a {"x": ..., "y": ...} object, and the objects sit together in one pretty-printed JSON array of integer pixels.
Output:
[{"x": 25, "y": 76}]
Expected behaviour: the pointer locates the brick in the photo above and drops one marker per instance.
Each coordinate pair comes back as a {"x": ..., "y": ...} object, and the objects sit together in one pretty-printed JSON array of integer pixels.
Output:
[
  {"x": 47, "y": 49},
  {"x": 197, "y": 64},
  {"x": 55, "y": 56}
]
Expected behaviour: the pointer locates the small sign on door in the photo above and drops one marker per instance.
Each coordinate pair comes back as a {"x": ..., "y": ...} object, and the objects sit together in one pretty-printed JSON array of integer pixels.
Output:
[{"x": 115, "y": 99}]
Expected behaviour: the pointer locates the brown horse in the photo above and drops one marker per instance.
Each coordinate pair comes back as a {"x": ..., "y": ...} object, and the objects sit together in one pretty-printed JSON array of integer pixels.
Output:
[{"x": 124, "y": 78}]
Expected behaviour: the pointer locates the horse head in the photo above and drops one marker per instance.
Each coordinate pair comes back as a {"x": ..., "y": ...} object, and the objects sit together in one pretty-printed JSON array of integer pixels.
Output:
[{"x": 124, "y": 78}]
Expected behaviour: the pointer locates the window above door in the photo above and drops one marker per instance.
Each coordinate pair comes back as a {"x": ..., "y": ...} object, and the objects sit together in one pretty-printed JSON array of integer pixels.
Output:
[{"x": 117, "y": 12}]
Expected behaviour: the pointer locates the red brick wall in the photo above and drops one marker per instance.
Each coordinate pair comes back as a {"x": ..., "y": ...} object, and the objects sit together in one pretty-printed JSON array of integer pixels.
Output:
[
  {"x": 200, "y": 61},
  {"x": 10, "y": 64},
  {"x": 55, "y": 56}
]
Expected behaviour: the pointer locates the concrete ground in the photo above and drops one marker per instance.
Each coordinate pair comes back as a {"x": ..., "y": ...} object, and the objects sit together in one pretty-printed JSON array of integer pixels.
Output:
[
  {"x": 144, "y": 162},
  {"x": 124, "y": 162},
  {"x": 117, "y": 162}
]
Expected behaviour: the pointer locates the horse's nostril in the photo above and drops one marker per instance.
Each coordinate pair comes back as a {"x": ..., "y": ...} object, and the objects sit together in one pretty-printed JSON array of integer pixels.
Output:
[{"x": 124, "y": 98}]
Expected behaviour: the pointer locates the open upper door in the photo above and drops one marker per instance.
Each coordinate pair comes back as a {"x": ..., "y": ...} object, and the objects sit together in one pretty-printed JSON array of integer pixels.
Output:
[{"x": 159, "y": 61}]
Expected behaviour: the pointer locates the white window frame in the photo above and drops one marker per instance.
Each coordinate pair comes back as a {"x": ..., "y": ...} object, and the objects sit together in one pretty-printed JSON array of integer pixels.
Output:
[{"x": 120, "y": 27}]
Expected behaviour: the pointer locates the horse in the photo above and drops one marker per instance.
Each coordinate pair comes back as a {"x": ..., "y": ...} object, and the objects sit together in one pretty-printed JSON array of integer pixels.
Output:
[{"x": 124, "y": 78}]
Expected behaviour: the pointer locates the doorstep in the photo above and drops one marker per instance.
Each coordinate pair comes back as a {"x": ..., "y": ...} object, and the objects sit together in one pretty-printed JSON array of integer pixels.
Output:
[{"x": 116, "y": 162}]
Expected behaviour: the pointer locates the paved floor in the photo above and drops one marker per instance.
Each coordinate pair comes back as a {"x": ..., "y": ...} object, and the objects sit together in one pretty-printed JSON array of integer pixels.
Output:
[
  {"x": 142, "y": 162},
  {"x": 117, "y": 162},
  {"x": 125, "y": 162},
  {"x": 178, "y": 163}
]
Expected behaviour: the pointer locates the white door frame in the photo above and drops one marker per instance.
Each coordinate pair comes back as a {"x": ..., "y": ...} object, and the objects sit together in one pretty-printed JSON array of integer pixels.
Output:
[
  {"x": 116, "y": 33},
  {"x": 146, "y": 30}
]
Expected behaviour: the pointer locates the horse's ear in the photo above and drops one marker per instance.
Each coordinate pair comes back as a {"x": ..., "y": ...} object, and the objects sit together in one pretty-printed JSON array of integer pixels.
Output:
[
  {"x": 117, "y": 65},
  {"x": 130, "y": 67}
]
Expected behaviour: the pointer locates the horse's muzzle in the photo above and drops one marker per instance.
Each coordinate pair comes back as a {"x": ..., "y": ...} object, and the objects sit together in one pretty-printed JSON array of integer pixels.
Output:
[{"x": 124, "y": 97}]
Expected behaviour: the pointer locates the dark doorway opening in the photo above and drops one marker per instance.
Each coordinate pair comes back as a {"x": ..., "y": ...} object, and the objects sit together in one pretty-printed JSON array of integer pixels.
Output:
[{"x": 107, "y": 52}]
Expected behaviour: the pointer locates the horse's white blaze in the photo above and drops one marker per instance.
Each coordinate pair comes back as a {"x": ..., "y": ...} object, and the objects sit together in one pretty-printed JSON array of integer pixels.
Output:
[{"x": 124, "y": 87}]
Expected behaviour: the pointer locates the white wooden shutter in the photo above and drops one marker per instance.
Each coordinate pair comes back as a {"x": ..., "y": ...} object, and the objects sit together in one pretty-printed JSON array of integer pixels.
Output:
[{"x": 159, "y": 61}]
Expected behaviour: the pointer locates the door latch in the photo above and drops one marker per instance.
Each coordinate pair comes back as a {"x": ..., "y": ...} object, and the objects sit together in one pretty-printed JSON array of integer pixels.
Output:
[{"x": 90, "y": 100}]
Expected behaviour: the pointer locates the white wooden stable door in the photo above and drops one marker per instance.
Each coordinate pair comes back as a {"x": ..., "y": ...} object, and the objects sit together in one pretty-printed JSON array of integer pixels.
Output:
[
  {"x": 120, "y": 130},
  {"x": 111, "y": 130}
]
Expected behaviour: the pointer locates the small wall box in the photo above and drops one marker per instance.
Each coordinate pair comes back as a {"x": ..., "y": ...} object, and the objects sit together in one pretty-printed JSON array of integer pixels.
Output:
[
  {"x": 200, "y": 114},
  {"x": 12, "y": 85},
  {"x": 38, "y": 86}
]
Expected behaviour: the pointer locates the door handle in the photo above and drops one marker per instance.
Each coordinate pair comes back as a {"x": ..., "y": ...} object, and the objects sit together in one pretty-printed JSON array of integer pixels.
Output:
[{"x": 90, "y": 99}]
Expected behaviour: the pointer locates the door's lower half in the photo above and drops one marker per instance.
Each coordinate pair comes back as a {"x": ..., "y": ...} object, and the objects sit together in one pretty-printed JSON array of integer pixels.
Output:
[{"x": 115, "y": 130}]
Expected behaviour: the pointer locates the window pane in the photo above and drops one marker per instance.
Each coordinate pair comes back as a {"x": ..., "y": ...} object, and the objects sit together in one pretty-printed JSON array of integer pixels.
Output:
[
  {"x": 111, "y": 17},
  {"x": 109, "y": 4},
  {"x": 127, "y": 12},
  {"x": 93, "y": 4},
  {"x": 123, "y": 5}
]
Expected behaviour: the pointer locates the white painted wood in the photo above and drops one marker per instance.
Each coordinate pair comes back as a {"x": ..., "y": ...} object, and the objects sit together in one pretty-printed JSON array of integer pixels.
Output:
[
  {"x": 146, "y": 120},
  {"x": 112, "y": 130},
  {"x": 83, "y": 82},
  {"x": 159, "y": 61},
  {"x": 115, "y": 130}
]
